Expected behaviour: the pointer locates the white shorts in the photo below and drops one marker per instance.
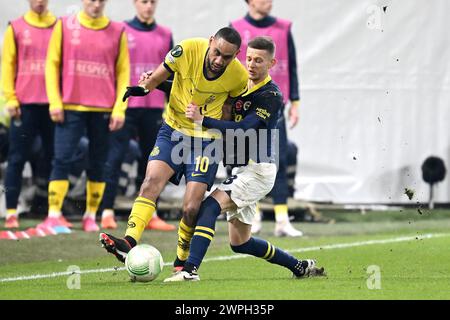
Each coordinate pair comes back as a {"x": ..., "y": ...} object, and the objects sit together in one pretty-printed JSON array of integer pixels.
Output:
[{"x": 248, "y": 185}]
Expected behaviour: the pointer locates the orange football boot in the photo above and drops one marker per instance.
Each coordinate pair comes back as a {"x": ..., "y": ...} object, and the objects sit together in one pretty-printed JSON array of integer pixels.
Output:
[{"x": 156, "y": 223}]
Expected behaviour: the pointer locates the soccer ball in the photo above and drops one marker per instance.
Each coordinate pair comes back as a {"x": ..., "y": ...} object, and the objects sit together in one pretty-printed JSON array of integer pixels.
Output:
[{"x": 144, "y": 263}]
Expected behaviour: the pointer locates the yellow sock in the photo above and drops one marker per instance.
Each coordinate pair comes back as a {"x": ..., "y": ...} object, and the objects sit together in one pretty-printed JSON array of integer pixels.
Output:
[
  {"x": 141, "y": 213},
  {"x": 94, "y": 195},
  {"x": 281, "y": 212},
  {"x": 185, "y": 234},
  {"x": 57, "y": 190}
]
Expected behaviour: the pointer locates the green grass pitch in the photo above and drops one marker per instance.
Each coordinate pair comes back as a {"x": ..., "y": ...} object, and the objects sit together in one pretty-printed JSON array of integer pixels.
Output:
[{"x": 410, "y": 250}]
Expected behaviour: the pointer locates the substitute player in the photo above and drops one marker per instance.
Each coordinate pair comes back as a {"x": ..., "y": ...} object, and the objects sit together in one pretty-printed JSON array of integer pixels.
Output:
[
  {"x": 205, "y": 73},
  {"x": 259, "y": 22},
  {"x": 257, "y": 111},
  {"x": 87, "y": 72},
  {"x": 144, "y": 115},
  {"x": 23, "y": 84}
]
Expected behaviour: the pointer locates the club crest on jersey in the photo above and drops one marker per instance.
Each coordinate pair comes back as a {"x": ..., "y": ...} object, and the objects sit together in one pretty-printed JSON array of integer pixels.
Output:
[
  {"x": 210, "y": 99},
  {"x": 238, "y": 105}
]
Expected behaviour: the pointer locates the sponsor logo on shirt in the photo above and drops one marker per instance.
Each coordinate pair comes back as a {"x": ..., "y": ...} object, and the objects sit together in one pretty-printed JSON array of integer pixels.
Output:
[
  {"x": 262, "y": 113},
  {"x": 30, "y": 67},
  {"x": 89, "y": 69}
]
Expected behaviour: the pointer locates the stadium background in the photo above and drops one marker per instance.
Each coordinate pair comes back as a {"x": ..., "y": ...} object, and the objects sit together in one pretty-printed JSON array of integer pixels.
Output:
[
  {"x": 367, "y": 122},
  {"x": 375, "y": 87}
]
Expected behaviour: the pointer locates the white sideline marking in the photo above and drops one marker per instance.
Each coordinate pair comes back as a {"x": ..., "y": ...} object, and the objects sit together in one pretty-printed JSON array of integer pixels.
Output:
[{"x": 317, "y": 248}]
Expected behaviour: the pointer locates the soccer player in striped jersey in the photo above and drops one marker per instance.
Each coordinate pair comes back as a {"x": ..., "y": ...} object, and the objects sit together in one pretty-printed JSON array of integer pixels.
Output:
[{"x": 259, "y": 22}]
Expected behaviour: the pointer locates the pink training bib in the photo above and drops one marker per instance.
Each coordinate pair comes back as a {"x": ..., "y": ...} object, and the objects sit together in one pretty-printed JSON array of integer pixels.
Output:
[
  {"x": 147, "y": 51},
  {"x": 279, "y": 32},
  {"x": 32, "y": 43},
  {"x": 89, "y": 63}
]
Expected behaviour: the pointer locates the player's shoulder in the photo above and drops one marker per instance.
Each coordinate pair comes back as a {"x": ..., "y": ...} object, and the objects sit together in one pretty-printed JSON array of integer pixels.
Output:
[
  {"x": 235, "y": 78},
  {"x": 194, "y": 44},
  {"x": 191, "y": 48},
  {"x": 187, "y": 49},
  {"x": 238, "y": 65},
  {"x": 237, "y": 70},
  {"x": 270, "y": 91},
  {"x": 237, "y": 21},
  {"x": 117, "y": 25},
  {"x": 268, "y": 96},
  {"x": 164, "y": 29},
  {"x": 16, "y": 20},
  {"x": 284, "y": 22}
]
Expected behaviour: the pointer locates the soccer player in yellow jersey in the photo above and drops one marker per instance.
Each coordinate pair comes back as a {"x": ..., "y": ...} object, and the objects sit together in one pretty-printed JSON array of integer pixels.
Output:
[{"x": 207, "y": 74}]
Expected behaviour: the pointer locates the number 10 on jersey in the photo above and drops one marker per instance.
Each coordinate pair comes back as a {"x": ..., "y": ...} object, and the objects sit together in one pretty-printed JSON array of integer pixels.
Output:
[{"x": 201, "y": 164}]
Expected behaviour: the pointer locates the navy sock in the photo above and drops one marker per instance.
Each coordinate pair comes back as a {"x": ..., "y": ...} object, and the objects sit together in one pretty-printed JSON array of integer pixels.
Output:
[
  {"x": 262, "y": 249},
  {"x": 204, "y": 232}
]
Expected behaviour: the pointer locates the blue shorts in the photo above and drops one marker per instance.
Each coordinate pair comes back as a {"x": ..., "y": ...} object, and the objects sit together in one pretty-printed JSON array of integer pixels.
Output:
[{"x": 186, "y": 156}]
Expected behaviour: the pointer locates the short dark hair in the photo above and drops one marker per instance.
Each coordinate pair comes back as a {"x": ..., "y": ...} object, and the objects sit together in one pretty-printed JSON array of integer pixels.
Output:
[
  {"x": 230, "y": 35},
  {"x": 263, "y": 43}
]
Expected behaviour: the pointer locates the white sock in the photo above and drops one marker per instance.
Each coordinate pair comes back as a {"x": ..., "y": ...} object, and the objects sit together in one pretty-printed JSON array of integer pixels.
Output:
[
  {"x": 258, "y": 216},
  {"x": 89, "y": 215},
  {"x": 108, "y": 213},
  {"x": 54, "y": 214},
  {"x": 282, "y": 217}
]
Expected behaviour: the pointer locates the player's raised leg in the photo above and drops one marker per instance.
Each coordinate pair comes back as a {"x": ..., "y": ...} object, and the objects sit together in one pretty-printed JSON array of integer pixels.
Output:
[
  {"x": 241, "y": 241},
  {"x": 240, "y": 211}
]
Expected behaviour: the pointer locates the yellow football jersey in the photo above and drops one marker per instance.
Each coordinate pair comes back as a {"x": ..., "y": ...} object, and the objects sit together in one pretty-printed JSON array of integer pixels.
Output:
[{"x": 190, "y": 85}]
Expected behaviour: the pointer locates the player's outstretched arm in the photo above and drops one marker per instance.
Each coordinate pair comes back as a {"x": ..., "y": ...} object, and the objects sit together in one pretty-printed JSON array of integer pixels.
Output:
[
  {"x": 148, "y": 82},
  {"x": 249, "y": 122},
  {"x": 155, "y": 78}
]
